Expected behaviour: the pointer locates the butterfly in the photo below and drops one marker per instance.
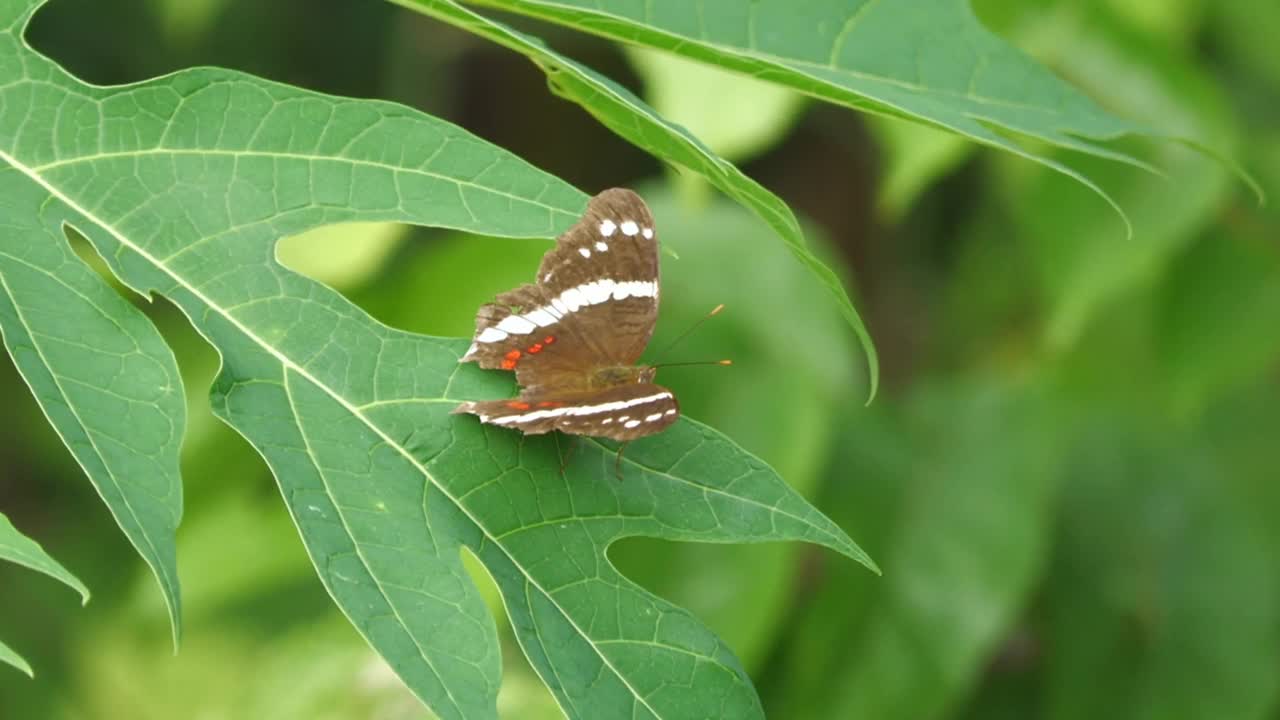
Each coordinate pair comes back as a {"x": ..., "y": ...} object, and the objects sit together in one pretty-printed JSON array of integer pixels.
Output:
[{"x": 573, "y": 336}]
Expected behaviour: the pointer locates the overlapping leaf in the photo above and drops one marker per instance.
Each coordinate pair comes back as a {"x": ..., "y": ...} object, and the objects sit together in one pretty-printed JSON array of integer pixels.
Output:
[
  {"x": 99, "y": 369},
  {"x": 1163, "y": 601},
  {"x": 951, "y": 514},
  {"x": 18, "y": 548},
  {"x": 930, "y": 62},
  {"x": 183, "y": 185}
]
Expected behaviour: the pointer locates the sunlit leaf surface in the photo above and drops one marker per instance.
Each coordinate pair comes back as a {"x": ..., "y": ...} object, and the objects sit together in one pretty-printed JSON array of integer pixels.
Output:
[{"x": 183, "y": 184}]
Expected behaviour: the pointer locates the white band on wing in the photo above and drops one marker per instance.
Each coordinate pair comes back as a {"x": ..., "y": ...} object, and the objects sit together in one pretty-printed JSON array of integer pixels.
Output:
[
  {"x": 581, "y": 410},
  {"x": 571, "y": 300}
]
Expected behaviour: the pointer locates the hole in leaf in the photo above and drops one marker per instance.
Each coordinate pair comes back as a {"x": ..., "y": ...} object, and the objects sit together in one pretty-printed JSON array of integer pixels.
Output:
[
  {"x": 522, "y": 693},
  {"x": 341, "y": 256}
]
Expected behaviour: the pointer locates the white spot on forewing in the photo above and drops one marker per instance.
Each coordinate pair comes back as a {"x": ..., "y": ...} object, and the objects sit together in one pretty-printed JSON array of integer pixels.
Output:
[
  {"x": 631, "y": 423},
  {"x": 516, "y": 324},
  {"x": 470, "y": 350},
  {"x": 490, "y": 335},
  {"x": 648, "y": 233},
  {"x": 655, "y": 416},
  {"x": 584, "y": 252},
  {"x": 606, "y": 421},
  {"x": 546, "y": 277},
  {"x": 579, "y": 410},
  {"x": 557, "y": 306},
  {"x": 672, "y": 411},
  {"x": 607, "y": 228},
  {"x": 629, "y": 227},
  {"x": 602, "y": 246}
]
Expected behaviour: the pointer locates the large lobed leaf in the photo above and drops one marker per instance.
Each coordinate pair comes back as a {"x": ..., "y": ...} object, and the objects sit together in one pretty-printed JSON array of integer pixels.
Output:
[{"x": 183, "y": 184}]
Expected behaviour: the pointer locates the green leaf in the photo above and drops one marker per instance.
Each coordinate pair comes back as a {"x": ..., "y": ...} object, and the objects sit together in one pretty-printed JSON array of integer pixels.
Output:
[
  {"x": 9, "y": 657},
  {"x": 1217, "y": 314},
  {"x": 1081, "y": 267},
  {"x": 1164, "y": 596},
  {"x": 932, "y": 63},
  {"x": 694, "y": 96},
  {"x": 963, "y": 529},
  {"x": 184, "y": 184},
  {"x": 629, "y": 116},
  {"x": 789, "y": 419},
  {"x": 98, "y": 368},
  {"x": 18, "y": 548}
]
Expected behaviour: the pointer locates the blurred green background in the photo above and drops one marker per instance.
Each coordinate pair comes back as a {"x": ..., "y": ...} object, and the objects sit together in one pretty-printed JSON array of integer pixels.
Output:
[{"x": 1071, "y": 476}]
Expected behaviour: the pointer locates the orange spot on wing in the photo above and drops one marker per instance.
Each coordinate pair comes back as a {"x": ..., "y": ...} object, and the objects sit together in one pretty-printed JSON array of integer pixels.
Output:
[
  {"x": 550, "y": 403},
  {"x": 548, "y": 339},
  {"x": 513, "y": 355},
  {"x": 518, "y": 405},
  {"x": 508, "y": 364},
  {"x": 535, "y": 349}
]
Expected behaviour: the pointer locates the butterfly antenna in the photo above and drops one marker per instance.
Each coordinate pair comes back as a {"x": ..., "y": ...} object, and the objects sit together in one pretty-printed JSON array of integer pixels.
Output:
[
  {"x": 695, "y": 362},
  {"x": 714, "y": 311}
]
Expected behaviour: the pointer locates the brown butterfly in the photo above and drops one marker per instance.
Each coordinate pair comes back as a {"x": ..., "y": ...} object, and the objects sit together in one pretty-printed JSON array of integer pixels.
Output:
[{"x": 574, "y": 334}]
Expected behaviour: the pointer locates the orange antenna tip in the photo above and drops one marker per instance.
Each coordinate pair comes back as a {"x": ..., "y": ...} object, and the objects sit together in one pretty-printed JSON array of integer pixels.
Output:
[
  {"x": 726, "y": 362},
  {"x": 716, "y": 310}
]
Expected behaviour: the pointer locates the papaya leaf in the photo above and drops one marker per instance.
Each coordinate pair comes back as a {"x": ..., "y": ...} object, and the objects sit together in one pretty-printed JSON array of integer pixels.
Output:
[
  {"x": 98, "y": 368},
  {"x": 183, "y": 184}
]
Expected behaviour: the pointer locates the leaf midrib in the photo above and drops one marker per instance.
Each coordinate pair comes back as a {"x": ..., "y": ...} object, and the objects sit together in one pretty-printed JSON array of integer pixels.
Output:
[
  {"x": 315, "y": 461},
  {"x": 275, "y": 155},
  {"x": 288, "y": 364}
]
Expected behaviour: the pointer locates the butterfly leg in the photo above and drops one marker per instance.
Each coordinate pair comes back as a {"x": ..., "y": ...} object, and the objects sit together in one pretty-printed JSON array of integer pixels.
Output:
[
  {"x": 617, "y": 462},
  {"x": 564, "y": 459}
]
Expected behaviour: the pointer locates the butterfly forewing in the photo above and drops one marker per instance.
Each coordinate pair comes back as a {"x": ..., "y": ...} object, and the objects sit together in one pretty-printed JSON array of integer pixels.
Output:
[
  {"x": 593, "y": 304},
  {"x": 607, "y": 264},
  {"x": 622, "y": 412}
]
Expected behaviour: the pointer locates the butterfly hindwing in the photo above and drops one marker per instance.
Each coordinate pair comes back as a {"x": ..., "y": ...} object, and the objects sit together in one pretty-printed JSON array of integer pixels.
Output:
[{"x": 622, "y": 412}]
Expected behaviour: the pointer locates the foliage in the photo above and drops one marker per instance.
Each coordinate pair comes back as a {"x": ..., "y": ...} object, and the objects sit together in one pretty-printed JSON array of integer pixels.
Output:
[{"x": 1069, "y": 470}]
